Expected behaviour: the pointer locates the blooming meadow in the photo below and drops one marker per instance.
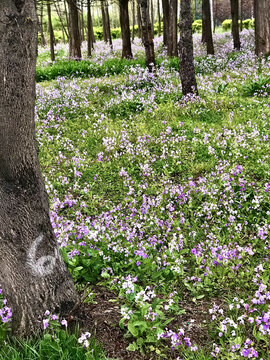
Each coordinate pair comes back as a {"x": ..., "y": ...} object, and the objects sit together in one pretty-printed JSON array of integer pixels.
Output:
[{"x": 165, "y": 200}]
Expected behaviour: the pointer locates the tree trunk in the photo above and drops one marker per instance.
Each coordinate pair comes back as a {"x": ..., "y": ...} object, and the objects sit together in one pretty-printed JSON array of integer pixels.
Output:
[
  {"x": 166, "y": 24},
  {"x": 107, "y": 23},
  {"x": 139, "y": 19},
  {"x": 64, "y": 31},
  {"x": 89, "y": 29},
  {"x": 50, "y": 31},
  {"x": 241, "y": 14},
  {"x": 262, "y": 27},
  {"x": 133, "y": 20},
  {"x": 187, "y": 71},
  {"x": 159, "y": 17},
  {"x": 104, "y": 27},
  {"x": 82, "y": 23},
  {"x": 206, "y": 27},
  {"x": 125, "y": 30},
  {"x": 74, "y": 36},
  {"x": 33, "y": 275},
  {"x": 152, "y": 16},
  {"x": 235, "y": 25},
  {"x": 172, "y": 41},
  {"x": 147, "y": 37},
  {"x": 43, "y": 40}
]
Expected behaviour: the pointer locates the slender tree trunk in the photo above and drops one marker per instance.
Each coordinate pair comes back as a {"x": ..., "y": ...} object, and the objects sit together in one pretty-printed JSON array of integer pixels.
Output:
[
  {"x": 43, "y": 40},
  {"x": 125, "y": 29},
  {"x": 108, "y": 27},
  {"x": 50, "y": 31},
  {"x": 64, "y": 31},
  {"x": 82, "y": 23},
  {"x": 262, "y": 27},
  {"x": 207, "y": 28},
  {"x": 241, "y": 14},
  {"x": 104, "y": 27},
  {"x": 235, "y": 25},
  {"x": 33, "y": 275},
  {"x": 133, "y": 20},
  {"x": 139, "y": 19},
  {"x": 89, "y": 29},
  {"x": 74, "y": 37},
  {"x": 147, "y": 37},
  {"x": 166, "y": 22},
  {"x": 187, "y": 71},
  {"x": 172, "y": 41},
  {"x": 159, "y": 17},
  {"x": 66, "y": 16},
  {"x": 152, "y": 16}
]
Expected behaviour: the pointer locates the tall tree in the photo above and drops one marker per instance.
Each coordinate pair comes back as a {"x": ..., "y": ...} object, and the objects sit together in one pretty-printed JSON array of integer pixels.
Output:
[
  {"x": 50, "y": 26},
  {"x": 33, "y": 275},
  {"x": 159, "y": 17},
  {"x": 89, "y": 29},
  {"x": 104, "y": 22},
  {"x": 125, "y": 29},
  {"x": 147, "y": 35},
  {"x": 172, "y": 41},
  {"x": 107, "y": 21},
  {"x": 166, "y": 21},
  {"x": 262, "y": 27},
  {"x": 207, "y": 27},
  {"x": 74, "y": 35},
  {"x": 235, "y": 24},
  {"x": 187, "y": 71}
]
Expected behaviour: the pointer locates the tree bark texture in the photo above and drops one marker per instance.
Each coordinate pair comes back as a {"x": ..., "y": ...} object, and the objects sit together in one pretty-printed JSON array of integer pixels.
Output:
[
  {"x": 262, "y": 27},
  {"x": 50, "y": 31},
  {"x": 235, "y": 25},
  {"x": 125, "y": 30},
  {"x": 74, "y": 36},
  {"x": 33, "y": 275},
  {"x": 166, "y": 19},
  {"x": 172, "y": 41},
  {"x": 147, "y": 35},
  {"x": 206, "y": 27},
  {"x": 89, "y": 30},
  {"x": 187, "y": 71}
]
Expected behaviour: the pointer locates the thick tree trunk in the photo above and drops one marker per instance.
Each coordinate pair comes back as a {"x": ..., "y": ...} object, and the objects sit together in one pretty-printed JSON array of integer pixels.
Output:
[
  {"x": 166, "y": 22},
  {"x": 262, "y": 27},
  {"x": 50, "y": 31},
  {"x": 172, "y": 41},
  {"x": 235, "y": 25},
  {"x": 147, "y": 37},
  {"x": 74, "y": 36},
  {"x": 33, "y": 275},
  {"x": 187, "y": 71},
  {"x": 206, "y": 27},
  {"x": 125, "y": 30}
]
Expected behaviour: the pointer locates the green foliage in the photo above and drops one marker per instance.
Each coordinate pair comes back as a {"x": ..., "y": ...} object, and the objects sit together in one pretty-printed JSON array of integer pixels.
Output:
[
  {"x": 247, "y": 24},
  {"x": 197, "y": 26},
  {"x": 257, "y": 87},
  {"x": 227, "y": 24}
]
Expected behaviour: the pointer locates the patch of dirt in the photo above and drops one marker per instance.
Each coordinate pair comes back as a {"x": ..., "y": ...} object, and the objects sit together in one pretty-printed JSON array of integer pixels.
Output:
[{"x": 101, "y": 319}]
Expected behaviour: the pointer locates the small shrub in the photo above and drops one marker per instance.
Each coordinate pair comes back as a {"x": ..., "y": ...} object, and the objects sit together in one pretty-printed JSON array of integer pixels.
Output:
[
  {"x": 227, "y": 25},
  {"x": 197, "y": 26},
  {"x": 258, "y": 87}
]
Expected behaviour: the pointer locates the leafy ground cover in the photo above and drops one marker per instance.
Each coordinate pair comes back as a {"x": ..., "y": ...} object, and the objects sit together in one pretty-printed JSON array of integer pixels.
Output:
[{"x": 160, "y": 205}]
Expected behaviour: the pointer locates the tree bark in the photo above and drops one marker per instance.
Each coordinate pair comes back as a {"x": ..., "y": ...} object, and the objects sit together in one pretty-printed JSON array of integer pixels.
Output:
[
  {"x": 33, "y": 275},
  {"x": 262, "y": 27},
  {"x": 166, "y": 24},
  {"x": 235, "y": 25},
  {"x": 82, "y": 23},
  {"x": 147, "y": 37},
  {"x": 187, "y": 71},
  {"x": 74, "y": 36},
  {"x": 139, "y": 19},
  {"x": 50, "y": 31},
  {"x": 104, "y": 27},
  {"x": 125, "y": 29},
  {"x": 206, "y": 27},
  {"x": 89, "y": 30},
  {"x": 107, "y": 23},
  {"x": 159, "y": 17},
  {"x": 172, "y": 41},
  {"x": 133, "y": 20}
]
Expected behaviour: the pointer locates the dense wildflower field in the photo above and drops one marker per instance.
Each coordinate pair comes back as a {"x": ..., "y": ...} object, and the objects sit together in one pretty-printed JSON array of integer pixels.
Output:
[{"x": 163, "y": 200}]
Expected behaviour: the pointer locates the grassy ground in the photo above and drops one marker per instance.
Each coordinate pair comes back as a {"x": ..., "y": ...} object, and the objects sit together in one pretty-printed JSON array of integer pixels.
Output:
[{"x": 164, "y": 202}]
